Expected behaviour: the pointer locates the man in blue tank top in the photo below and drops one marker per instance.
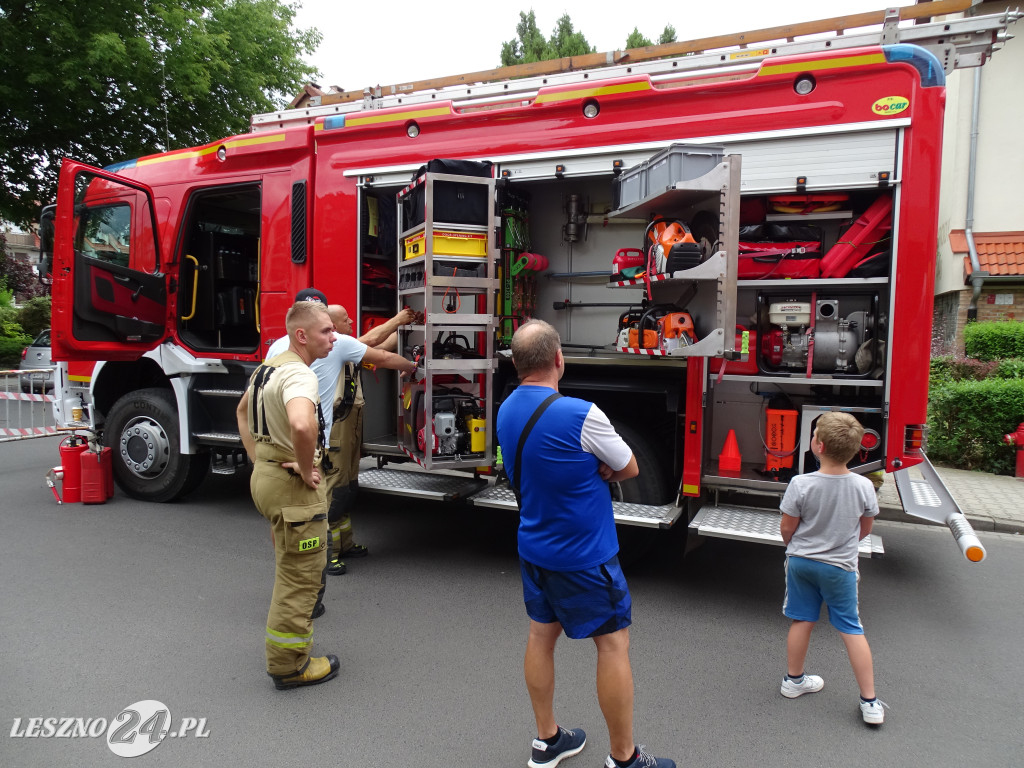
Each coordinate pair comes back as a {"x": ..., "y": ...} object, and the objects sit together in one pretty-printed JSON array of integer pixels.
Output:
[{"x": 568, "y": 547}]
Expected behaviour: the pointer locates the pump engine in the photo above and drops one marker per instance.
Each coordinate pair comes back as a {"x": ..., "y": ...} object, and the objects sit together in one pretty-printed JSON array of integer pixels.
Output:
[{"x": 795, "y": 332}]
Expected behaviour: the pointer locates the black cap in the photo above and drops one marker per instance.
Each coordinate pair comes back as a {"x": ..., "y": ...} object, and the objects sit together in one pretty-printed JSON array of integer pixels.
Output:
[{"x": 311, "y": 294}]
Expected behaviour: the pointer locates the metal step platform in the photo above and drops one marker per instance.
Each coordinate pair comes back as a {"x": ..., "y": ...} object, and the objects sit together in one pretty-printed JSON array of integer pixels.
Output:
[
  {"x": 645, "y": 515},
  {"x": 760, "y": 526},
  {"x": 217, "y": 438},
  {"x": 423, "y": 485}
]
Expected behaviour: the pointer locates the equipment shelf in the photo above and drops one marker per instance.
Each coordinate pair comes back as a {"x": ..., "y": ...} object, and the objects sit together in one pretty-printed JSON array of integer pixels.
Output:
[
  {"x": 472, "y": 320},
  {"x": 712, "y": 305}
]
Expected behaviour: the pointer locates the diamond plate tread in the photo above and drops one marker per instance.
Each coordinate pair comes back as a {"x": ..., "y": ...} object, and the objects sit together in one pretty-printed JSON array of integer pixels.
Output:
[
  {"x": 759, "y": 526},
  {"x": 646, "y": 515},
  {"x": 235, "y": 394},
  {"x": 498, "y": 496},
  {"x": 649, "y": 515},
  {"x": 221, "y": 438},
  {"x": 426, "y": 485}
]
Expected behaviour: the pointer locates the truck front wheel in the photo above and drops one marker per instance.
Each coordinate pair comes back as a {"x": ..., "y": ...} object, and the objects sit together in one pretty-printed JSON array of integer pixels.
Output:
[{"x": 142, "y": 432}]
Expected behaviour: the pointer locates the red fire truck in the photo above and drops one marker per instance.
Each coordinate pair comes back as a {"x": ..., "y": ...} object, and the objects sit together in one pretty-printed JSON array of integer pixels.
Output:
[{"x": 729, "y": 243}]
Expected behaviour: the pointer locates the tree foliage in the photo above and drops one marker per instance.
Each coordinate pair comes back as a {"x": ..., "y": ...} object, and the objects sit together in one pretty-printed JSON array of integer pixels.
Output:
[
  {"x": 17, "y": 275},
  {"x": 638, "y": 40},
  {"x": 35, "y": 315},
  {"x": 112, "y": 80},
  {"x": 13, "y": 338},
  {"x": 529, "y": 46},
  {"x": 566, "y": 41}
]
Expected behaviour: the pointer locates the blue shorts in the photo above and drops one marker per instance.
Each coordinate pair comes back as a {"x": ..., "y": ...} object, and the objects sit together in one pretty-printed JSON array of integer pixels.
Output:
[
  {"x": 586, "y": 603},
  {"x": 809, "y": 583}
]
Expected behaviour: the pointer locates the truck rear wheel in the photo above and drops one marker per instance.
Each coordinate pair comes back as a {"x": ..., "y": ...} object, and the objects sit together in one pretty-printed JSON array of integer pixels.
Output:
[
  {"x": 142, "y": 431},
  {"x": 651, "y": 486}
]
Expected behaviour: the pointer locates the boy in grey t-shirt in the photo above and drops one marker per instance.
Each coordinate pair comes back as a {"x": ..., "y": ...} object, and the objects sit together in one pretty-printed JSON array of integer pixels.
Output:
[{"x": 824, "y": 515}]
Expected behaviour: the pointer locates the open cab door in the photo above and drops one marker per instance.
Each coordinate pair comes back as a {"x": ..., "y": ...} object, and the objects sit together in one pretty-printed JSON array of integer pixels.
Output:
[{"x": 109, "y": 294}]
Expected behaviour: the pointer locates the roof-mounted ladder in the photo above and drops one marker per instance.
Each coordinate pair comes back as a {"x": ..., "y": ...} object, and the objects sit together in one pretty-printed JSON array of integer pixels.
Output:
[{"x": 957, "y": 43}]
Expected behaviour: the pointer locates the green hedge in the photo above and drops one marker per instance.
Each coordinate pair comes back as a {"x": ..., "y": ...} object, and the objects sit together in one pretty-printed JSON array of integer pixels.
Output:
[
  {"x": 10, "y": 350},
  {"x": 34, "y": 316},
  {"x": 12, "y": 338},
  {"x": 946, "y": 368},
  {"x": 1011, "y": 368},
  {"x": 994, "y": 340},
  {"x": 967, "y": 421}
]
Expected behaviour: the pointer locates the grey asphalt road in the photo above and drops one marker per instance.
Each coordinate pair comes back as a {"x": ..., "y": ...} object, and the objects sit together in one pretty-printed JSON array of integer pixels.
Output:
[{"x": 105, "y": 606}]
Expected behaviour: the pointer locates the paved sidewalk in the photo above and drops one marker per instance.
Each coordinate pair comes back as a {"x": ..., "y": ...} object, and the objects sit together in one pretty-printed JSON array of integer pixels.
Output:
[{"x": 990, "y": 502}]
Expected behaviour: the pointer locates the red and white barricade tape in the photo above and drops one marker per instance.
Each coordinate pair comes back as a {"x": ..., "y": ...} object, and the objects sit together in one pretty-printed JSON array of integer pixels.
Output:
[{"x": 14, "y": 417}]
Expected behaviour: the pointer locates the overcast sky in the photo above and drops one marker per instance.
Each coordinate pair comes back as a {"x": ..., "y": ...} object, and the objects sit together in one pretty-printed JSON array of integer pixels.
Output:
[{"x": 394, "y": 41}]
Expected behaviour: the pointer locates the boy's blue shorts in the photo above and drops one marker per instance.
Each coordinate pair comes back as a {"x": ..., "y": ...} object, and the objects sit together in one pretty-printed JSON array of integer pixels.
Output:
[
  {"x": 809, "y": 583},
  {"x": 586, "y": 603}
]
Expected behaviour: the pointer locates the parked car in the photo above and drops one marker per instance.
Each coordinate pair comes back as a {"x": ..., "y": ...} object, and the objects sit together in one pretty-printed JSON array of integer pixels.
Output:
[{"x": 35, "y": 356}]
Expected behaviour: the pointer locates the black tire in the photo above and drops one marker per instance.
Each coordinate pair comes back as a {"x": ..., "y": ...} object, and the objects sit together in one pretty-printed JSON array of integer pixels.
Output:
[
  {"x": 652, "y": 485},
  {"x": 198, "y": 469},
  {"x": 704, "y": 228},
  {"x": 142, "y": 431}
]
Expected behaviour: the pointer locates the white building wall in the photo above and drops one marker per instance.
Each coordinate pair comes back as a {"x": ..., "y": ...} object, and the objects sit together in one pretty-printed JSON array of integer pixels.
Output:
[{"x": 999, "y": 181}]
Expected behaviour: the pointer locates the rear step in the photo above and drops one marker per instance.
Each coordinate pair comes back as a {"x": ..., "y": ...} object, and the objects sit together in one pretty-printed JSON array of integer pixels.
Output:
[
  {"x": 646, "y": 515},
  {"x": 477, "y": 491},
  {"x": 759, "y": 526},
  {"x": 217, "y": 438},
  {"x": 423, "y": 485}
]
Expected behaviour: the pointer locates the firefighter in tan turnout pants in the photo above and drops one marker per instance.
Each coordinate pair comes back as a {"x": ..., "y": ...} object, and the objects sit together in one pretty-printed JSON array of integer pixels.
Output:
[
  {"x": 283, "y": 435},
  {"x": 346, "y": 435}
]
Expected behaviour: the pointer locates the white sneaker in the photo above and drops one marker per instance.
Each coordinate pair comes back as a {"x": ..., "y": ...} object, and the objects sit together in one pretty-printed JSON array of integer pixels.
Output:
[
  {"x": 873, "y": 712},
  {"x": 810, "y": 684}
]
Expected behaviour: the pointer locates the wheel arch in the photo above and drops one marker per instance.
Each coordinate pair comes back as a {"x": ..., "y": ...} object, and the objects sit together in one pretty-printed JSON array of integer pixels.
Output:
[
  {"x": 644, "y": 410},
  {"x": 113, "y": 380}
]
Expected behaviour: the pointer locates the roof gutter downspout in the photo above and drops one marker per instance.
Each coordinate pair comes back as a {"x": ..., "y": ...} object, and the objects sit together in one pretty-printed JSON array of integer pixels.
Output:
[{"x": 977, "y": 275}]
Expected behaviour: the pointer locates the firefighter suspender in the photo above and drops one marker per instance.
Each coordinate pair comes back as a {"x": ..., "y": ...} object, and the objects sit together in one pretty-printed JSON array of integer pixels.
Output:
[
  {"x": 258, "y": 417},
  {"x": 345, "y": 398},
  {"x": 258, "y": 414},
  {"x": 321, "y": 439}
]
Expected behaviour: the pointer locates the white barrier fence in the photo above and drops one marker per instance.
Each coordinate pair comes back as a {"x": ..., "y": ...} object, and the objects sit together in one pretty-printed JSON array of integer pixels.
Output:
[{"x": 26, "y": 414}]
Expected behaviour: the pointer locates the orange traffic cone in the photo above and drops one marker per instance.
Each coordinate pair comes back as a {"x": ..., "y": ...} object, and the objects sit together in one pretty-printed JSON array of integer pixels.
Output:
[{"x": 729, "y": 459}]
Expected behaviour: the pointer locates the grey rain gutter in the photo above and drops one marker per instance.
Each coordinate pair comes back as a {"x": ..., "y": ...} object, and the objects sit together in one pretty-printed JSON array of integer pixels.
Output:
[{"x": 977, "y": 275}]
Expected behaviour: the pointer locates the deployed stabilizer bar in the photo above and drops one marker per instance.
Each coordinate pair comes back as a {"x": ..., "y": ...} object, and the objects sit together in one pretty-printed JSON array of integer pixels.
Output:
[{"x": 929, "y": 499}]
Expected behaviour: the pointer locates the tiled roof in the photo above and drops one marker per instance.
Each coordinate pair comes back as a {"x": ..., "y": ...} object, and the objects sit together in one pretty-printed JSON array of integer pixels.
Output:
[{"x": 999, "y": 253}]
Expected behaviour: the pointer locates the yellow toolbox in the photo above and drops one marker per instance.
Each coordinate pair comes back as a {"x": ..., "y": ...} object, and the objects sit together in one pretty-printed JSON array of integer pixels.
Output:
[{"x": 448, "y": 243}]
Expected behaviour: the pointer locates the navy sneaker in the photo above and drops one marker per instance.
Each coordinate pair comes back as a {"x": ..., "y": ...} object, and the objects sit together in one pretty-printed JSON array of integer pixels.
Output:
[
  {"x": 643, "y": 760},
  {"x": 549, "y": 755}
]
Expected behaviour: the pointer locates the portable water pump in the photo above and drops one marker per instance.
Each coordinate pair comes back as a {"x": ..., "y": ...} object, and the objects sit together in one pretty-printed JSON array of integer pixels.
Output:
[{"x": 818, "y": 336}]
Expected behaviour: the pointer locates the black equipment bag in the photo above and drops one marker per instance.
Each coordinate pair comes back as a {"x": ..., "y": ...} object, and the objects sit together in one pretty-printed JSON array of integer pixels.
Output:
[
  {"x": 454, "y": 203},
  {"x": 783, "y": 233}
]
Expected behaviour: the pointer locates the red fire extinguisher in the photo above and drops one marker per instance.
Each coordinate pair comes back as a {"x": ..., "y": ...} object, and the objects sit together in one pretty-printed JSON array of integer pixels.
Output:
[{"x": 71, "y": 448}]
